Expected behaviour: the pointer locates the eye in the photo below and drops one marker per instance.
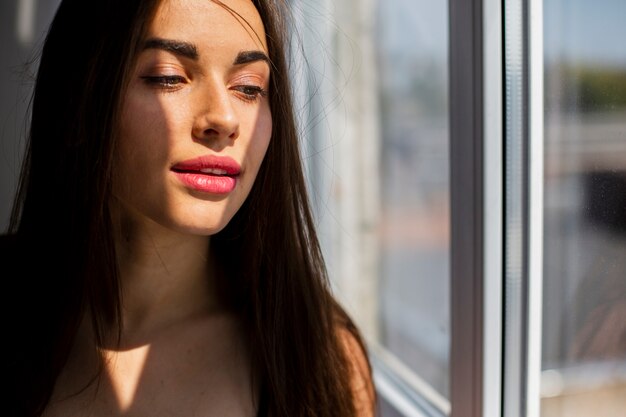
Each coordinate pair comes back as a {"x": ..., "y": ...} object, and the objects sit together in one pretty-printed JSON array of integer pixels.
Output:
[
  {"x": 250, "y": 92},
  {"x": 164, "y": 81}
]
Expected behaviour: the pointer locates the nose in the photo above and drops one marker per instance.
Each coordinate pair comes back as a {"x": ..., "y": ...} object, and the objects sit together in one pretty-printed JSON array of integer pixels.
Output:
[{"x": 216, "y": 118}]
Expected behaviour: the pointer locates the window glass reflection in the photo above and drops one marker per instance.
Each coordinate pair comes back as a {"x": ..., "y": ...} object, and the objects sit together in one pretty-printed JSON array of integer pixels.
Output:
[
  {"x": 584, "y": 334},
  {"x": 414, "y": 233}
]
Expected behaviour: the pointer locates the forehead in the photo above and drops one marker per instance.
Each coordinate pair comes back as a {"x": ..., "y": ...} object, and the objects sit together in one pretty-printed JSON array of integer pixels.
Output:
[{"x": 210, "y": 23}]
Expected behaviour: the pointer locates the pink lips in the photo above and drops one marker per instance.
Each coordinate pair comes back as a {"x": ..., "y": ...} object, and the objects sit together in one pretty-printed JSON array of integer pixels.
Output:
[{"x": 208, "y": 174}]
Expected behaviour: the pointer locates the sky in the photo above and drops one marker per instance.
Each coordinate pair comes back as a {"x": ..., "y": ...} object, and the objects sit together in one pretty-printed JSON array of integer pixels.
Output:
[
  {"x": 591, "y": 31},
  {"x": 585, "y": 31}
]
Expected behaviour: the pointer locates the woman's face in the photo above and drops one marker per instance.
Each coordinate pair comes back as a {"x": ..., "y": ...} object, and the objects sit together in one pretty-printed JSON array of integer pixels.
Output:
[{"x": 196, "y": 120}]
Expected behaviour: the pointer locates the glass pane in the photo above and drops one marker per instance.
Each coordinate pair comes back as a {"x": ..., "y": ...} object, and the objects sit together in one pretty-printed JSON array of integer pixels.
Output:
[
  {"x": 584, "y": 330},
  {"x": 412, "y": 58}
]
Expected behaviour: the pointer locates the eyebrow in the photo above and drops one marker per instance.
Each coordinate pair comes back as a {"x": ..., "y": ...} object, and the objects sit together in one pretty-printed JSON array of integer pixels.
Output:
[
  {"x": 189, "y": 50},
  {"x": 185, "y": 49},
  {"x": 245, "y": 57}
]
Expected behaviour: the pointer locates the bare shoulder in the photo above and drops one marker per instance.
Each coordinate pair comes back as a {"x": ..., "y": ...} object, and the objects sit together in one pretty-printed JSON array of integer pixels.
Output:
[
  {"x": 199, "y": 367},
  {"x": 360, "y": 371}
]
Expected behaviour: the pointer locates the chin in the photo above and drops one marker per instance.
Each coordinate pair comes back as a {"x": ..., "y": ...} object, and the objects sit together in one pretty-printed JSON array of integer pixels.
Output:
[
  {"x": 200, "y": 222},
  {"x": 206, "y": 229}
]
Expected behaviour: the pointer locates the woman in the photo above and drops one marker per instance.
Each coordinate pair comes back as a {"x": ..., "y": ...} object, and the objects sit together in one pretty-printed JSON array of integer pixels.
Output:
[{"x": 161, "y": 245}]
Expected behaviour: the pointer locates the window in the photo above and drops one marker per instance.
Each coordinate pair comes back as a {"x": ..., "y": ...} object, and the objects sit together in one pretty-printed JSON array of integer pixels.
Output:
[
  {"x": 489, "y": 248},
  {"x": 377, "y": 150},
  {"x": 584, "y": 269}
]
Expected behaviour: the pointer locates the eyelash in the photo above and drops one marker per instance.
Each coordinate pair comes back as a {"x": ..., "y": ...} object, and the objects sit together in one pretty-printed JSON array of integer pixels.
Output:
[
  {"x": 165, "y": 81},
  {"x": 249, "y": 93}
]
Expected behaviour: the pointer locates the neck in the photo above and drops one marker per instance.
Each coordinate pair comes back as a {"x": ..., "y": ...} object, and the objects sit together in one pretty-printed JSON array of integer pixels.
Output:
[{"x": 166, "y": 277}]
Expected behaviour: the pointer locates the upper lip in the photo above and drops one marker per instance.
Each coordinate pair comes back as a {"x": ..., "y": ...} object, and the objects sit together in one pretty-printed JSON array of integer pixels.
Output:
[{"x": 220, "y": 165}]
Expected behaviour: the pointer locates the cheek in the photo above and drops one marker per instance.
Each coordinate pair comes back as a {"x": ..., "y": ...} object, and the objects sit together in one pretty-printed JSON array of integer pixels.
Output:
[
  {"x": 263, "y": 128},
  {"x": 266, "y": 130},
  {"x": 143, "y": 144},
  {"x": 150, "y": 125}
]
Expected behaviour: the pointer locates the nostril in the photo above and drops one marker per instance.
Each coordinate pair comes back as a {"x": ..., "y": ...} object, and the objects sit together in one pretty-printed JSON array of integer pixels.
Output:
[
  {"x": 235, "y": 134},
  {"x": 217, "y": 122}
]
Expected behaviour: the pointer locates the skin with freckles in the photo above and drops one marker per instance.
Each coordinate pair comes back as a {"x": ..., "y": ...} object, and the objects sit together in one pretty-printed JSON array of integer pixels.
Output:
[
  {"x": 182, "y": 104},
  {"x": 199, "y": 88}
]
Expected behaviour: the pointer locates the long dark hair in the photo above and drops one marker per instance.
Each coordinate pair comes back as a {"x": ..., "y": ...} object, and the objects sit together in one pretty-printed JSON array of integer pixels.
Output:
[{"x": 277, "y": 282}]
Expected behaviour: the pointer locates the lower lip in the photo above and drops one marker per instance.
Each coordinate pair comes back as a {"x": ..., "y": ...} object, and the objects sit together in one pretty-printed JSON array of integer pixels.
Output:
[{"x": 213, "y": 184}]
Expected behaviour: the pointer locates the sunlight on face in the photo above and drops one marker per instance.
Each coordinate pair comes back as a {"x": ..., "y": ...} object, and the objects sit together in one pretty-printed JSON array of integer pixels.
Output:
[{"x": 196, "y": 120}]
